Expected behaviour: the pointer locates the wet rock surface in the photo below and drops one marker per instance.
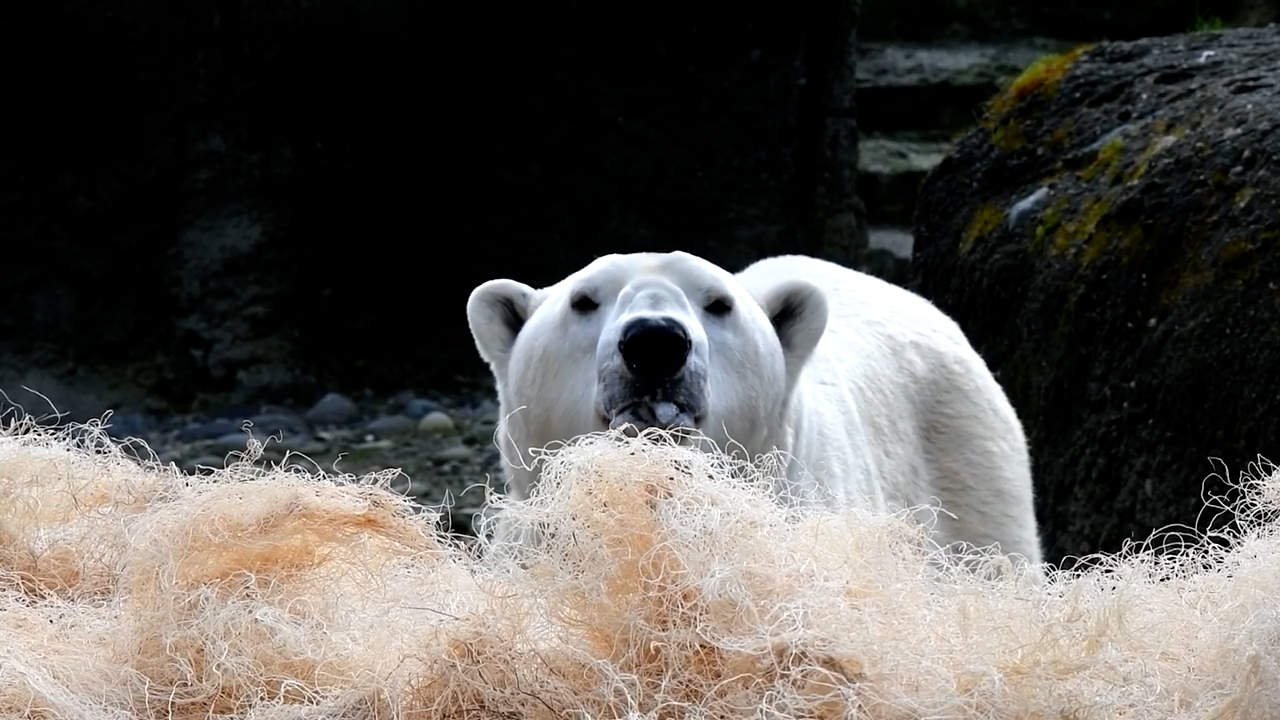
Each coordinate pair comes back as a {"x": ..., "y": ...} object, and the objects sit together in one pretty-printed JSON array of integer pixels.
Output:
[{"x": 1109, "y": 238}]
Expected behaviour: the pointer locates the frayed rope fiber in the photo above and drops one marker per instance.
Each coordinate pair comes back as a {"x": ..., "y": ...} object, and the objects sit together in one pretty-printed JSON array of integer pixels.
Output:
[{"x": 669, "y": 584}]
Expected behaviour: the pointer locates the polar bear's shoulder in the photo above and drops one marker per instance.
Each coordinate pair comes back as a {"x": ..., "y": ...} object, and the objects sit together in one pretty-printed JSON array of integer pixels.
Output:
[{"x": 856, "y": 299}]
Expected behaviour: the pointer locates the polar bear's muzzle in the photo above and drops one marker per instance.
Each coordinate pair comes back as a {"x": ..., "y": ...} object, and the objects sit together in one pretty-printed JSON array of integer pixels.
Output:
[
  {"x": 657, "y": 380},
  {"x": 654, "y": 349}
]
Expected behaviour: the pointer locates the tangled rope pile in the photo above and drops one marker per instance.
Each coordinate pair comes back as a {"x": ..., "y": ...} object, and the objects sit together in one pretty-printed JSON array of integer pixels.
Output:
[{"x": 670, "y": 585}]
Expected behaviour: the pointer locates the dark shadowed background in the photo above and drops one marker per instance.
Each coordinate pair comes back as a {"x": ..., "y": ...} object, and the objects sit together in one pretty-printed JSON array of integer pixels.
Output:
[{"x": 266, "y": 200}]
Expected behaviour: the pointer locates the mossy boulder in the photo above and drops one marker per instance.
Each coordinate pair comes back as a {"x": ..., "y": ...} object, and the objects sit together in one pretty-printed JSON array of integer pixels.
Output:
[{"x": 1109, "y": 237}]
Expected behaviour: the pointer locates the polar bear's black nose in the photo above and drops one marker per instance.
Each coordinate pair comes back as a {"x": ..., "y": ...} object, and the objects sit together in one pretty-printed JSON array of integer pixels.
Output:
[{"x": 654, "y": 348}]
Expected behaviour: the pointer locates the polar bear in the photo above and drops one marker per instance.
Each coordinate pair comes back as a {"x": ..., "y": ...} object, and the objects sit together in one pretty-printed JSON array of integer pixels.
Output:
[{"x": 874, "y": 394}]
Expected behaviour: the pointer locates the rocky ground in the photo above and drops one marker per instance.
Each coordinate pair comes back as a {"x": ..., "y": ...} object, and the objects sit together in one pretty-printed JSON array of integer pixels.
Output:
[{"x": 442, "y": 444}]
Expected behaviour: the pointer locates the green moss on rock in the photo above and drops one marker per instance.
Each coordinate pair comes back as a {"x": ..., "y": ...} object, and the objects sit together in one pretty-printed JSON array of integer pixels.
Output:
[
  {"x": 1039, "y": 78},
  {"x": 1047, "y": 226},
  {"x": 1242, "y": 197},
  {"x": 1160, "y": 141},
  {"x": 1080, "y": 230},
  {"x": 1060, "y": 137},
  {"x": 1107, "y": 161},
  {"x": 1008, "y": 136},
  {"x": 1233, "y": 250},
  {"x": 985, "y": 218}
]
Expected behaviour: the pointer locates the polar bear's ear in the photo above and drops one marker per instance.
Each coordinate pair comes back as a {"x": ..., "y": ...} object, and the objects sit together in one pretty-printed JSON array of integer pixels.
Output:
[
  {"x": 797, "y": 309},
  {"x": 496, "y": 311}
]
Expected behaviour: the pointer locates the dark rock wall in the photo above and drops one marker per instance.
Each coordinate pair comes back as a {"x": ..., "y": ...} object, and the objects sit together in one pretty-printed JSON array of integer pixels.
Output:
[
  {"x": 1067, "y": 19},
  {"x": 263, "y": 200},
  {"x": 1109, "y": 237}
]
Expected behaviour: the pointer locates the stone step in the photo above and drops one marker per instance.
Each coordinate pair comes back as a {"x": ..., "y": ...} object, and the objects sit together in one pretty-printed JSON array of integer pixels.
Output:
[
  {"x": 913, "y": 99},
  {"x": 937, "y": 87},
  {"x": 888, "y": 253},
  {"x": 890, "y": 169},
  {"x": 897, "y": 241}
]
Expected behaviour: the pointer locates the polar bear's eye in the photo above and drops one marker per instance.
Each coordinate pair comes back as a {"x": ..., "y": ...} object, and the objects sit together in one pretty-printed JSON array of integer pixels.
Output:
[
  {"x": 719, "y": 307},
  {"x": 583, "y": 304}
]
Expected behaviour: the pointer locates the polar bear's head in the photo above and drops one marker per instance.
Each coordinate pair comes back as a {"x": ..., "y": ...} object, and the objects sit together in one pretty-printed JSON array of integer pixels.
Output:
[{"x": 647, "y": 340}]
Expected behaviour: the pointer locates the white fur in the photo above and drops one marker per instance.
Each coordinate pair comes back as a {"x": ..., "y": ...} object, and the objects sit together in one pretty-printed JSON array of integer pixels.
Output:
[{"x": 875, "y": 394}]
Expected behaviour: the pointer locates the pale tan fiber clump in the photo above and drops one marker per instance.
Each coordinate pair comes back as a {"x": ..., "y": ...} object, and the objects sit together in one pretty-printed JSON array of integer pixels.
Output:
[{"x": 670, "y": 585}]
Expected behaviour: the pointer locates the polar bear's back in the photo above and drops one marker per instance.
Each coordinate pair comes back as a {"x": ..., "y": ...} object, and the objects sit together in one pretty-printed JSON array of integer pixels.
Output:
[
  {"x": 894, "y": 369},
  {"x": 876, "y": 308}
]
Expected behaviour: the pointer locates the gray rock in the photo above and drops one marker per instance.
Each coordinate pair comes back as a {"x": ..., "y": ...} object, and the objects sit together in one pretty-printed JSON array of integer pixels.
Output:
[
  {"x": 1027, "y": 207},
  {"x": 302, "y": 444},
  {"x": 391, "y": 426},
  {"x": 418, "y": 408},
  {"x": 127, "y": 425},
  {"x": 436, "y": 423},
  {"x": 454, "y": 453},
  {"x": 209, "y": 430},
  {"x": 332, "y": 409},
  {"x": 267, "y": 424},
  {"x": 231, "y": 442}
]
